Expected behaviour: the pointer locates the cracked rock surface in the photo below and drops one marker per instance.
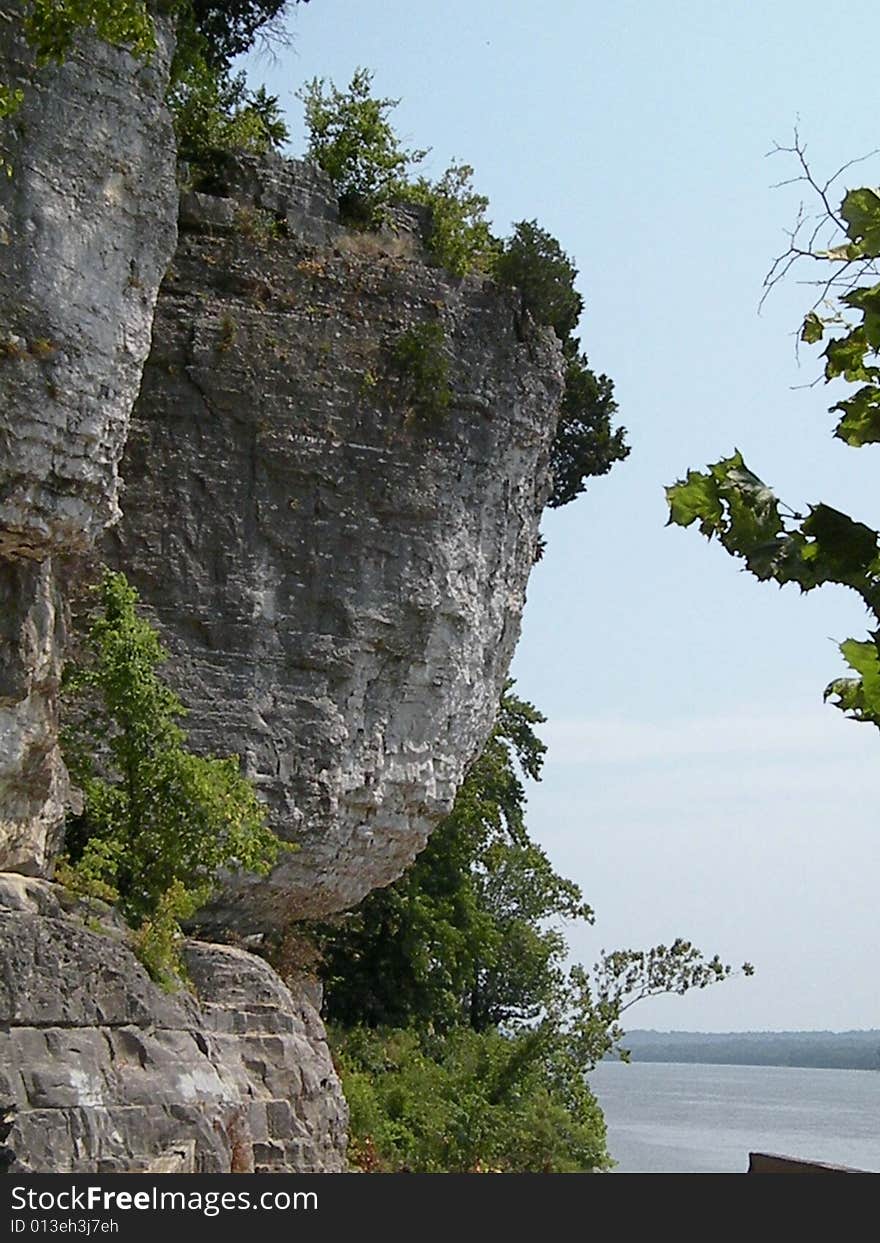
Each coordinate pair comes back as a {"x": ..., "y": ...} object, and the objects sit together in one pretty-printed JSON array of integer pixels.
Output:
[
  {"x": 102, "y": 1072},
  {"x": 339, "y": 574},
  {"x": 87, "y": 225}
]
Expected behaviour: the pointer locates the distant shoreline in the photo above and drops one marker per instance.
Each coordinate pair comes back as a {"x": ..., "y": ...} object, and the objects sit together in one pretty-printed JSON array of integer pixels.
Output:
[{"x": 812, "y": 1050}]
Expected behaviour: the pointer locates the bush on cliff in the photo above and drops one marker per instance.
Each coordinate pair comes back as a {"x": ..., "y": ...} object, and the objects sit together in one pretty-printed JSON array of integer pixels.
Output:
[
  {"x": 213, "y": 109},
  {"x": 586, "y": 444},
  {"x": 350, "y": 135},
  {"x": 158, "y": 822}
]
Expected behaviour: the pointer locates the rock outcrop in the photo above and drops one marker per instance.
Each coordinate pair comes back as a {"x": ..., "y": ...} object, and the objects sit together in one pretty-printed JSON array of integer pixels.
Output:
[
  {"x": 87, "y": 226},
  {"x": 334, "y": 539},
  {"x": 338, "y": 574},
  {"x": 102, "y": 1072}
]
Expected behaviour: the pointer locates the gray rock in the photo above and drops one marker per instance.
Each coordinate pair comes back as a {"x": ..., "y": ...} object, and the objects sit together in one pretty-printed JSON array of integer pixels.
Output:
[
  {"x": 87, "y": 225},
  {"x": 101, "y": 1071},
  {"x": 339, "y": 578}
]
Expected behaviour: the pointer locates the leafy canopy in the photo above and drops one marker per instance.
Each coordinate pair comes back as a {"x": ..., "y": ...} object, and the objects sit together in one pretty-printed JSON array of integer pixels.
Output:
[
  {"x": 460, "y": 238},
  {"x": 457, "y": 973},
  {"x": 467, "y": 1102},
  {"x": 158, "y": 822},
  {"x": 212, "y": 108},
  {"x": 586, "y": 445},
  {"x": 728, "y": 502}
]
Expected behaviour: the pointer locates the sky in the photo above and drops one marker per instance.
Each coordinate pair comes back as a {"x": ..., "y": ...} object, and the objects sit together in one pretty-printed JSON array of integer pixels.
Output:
[{"x": 695, "y": 784}]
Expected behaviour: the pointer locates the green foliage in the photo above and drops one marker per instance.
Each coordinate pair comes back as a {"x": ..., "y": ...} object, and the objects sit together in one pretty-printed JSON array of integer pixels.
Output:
[
  {"x": 230, "y": 27},
  {"x": 158, "y": 941},
  {"x": 419, "y": 357},
  {"x": 213, "y": 110},
  {"x": 586, "y": 445},
  {"x": 158, "y": 822},
  {"x": 824, "y": 545},
  {"x": 430, "y": 949},
  {"x": 533, "y": 262},
  {"x": 460, "y": 238},
  {"x": 214, "y": 113},
  {"x": 259, "y": 225},
  {"x": 51, "y": 26},
  {"x": 466, "y": 1103},
  {"x": 463, "y": 1038},
  {"x": 10, "y": 101},
  {"x": 352, "y": 139}
]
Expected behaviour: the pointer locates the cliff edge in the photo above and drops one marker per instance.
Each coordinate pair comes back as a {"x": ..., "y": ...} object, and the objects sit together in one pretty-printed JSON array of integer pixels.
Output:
[{"x": 337, "y": 561}]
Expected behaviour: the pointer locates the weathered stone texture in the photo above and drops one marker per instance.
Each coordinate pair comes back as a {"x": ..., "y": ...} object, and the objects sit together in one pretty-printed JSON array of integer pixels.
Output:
[
  {"x": 340, "y": 578},
  {"x": 33, "y": 780},
  {"x": 101, "y": 1071},
  {"x": 87, "y": 226}
]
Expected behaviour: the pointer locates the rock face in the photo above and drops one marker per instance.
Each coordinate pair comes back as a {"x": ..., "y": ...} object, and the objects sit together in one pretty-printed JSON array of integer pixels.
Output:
[
  {"x": 87, "y": 226},
  {"x": 339, "y": 573},
  {"x": 332, "y": 493},
  {"x": 110, "y": 1074}
]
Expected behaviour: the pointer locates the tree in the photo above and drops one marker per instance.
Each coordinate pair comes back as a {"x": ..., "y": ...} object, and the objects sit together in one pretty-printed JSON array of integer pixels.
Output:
[
  {"x": 466, "y": 1102},
  {"x": 533, "y": 262},
  {"x": 214, "y": 113},
  {"x": 459, "y": 238},
  {"x": 459, "y": 1029},
  {"x": 585, "y": 444},
  {"x": 822, "y": 545},
  {"x": 230, "y": 27},
  {"x": 352, "y": 139},
  {"x": 158, "y": 822}
]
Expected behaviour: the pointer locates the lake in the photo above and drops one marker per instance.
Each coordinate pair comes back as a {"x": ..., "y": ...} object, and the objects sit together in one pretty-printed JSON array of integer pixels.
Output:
[{"x": 675, "y": 1118}]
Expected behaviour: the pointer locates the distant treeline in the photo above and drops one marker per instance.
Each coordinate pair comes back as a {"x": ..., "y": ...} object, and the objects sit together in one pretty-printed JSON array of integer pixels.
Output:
[{"x": 856, "y": 1050}]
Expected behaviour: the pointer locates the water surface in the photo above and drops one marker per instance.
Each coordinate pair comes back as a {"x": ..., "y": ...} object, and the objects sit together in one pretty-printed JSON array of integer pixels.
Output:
[{"x": 676, "y": 1118}]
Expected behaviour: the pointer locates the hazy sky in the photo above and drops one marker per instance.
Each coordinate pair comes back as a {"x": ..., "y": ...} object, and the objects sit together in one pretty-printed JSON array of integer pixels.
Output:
[{"x": 695, "y": 783}]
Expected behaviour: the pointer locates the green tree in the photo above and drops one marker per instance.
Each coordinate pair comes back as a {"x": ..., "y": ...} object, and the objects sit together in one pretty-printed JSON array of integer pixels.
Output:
[
  {"x": 822, "y": 545},
  {"x": 466, "y": 1102},
  {"x": 158, "y": 822},
  {"x": 456, "y": 977},
  {"x": 352, "y": 139},
  {"x": 586, "y": 444},
  {"x": 214, "y": 113},
  {"x": 532, "y": 261},
  {"x": 230, "y": 27}
]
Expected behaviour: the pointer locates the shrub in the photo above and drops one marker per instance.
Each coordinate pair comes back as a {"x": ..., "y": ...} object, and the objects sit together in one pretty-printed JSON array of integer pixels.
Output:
[
  {"x": 532, "y": 261},
  {"x": 460, "y": 238},
  {"x": 585, "y": 445},
  {"x": 215, "y": 113},
  {"x": 158, "y": 822},
  {"x": 419, "y": 357},
  {"x": 351, "y": 138},
  {"x": 465, "y": 1103}
]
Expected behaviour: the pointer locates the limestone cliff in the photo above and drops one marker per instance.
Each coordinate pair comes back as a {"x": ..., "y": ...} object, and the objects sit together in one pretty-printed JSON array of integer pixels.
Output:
[
  {"x": 100, "y": 1071},
  {"x": 338, "y": 571},
  {"x": 340, "y": 577},
  {"x": 87, "y": 226}
]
